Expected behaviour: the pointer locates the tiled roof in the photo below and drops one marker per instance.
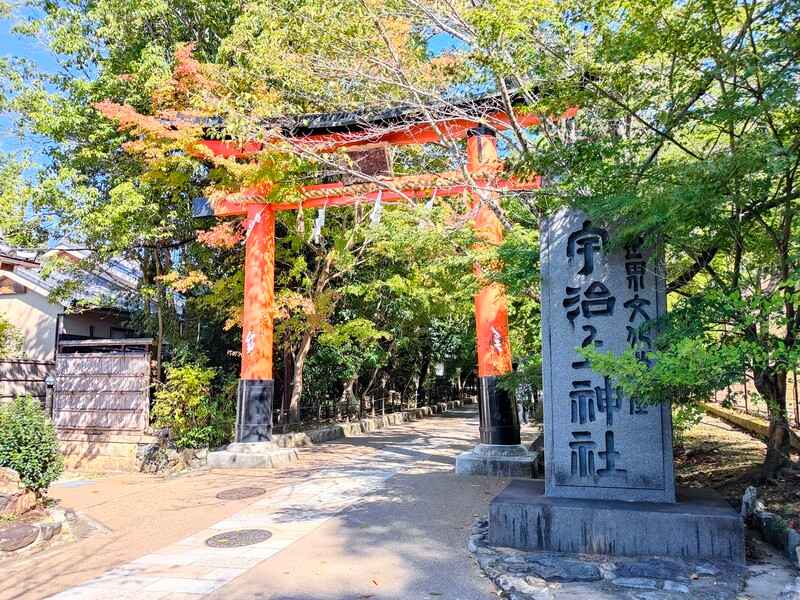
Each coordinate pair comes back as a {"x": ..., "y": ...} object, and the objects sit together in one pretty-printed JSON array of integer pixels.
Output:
[
  {"x": 112, "y": 284},
  {"x": 353, "y": 121}
]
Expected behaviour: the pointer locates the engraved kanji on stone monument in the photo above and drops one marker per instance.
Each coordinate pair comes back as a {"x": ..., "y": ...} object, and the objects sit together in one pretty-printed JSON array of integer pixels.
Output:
[
  {"x": 639, "y": 336},
  {"x": 597, "y": 293}
]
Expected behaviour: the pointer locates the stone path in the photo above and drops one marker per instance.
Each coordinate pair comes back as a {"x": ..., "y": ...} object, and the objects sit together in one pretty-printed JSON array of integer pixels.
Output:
[
  {"x": 193, "y": 569},
  {"x": 378, "y": 516}
]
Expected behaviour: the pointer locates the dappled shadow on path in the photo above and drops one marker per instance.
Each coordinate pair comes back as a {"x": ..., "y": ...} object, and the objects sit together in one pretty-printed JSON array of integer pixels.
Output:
[
  {"x": 406, "y": 539},
  {"x": 408, "y": 534}
]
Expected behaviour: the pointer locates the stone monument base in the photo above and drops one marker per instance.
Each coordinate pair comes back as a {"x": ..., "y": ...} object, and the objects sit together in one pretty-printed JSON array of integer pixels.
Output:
[
  {"x": 700, "y": 525},
  {"x": 496, "y": 461},
  {"x": 251, "y": 455}
]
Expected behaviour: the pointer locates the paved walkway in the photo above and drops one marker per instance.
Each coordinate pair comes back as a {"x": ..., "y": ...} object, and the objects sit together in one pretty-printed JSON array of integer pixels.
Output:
[{"x": 374, "y": 517}]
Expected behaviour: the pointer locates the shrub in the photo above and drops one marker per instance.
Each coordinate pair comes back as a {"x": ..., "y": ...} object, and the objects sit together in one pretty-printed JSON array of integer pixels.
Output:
[
  {"x": 684, "y": 417},
  {"x": 28, "y": 444},
  {"x": 186, "y": 405}
]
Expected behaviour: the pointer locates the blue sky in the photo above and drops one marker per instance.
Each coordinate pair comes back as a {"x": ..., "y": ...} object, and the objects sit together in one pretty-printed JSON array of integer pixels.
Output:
[
  {"x": 442, "y": 42},
  {"x": 15, "y": 46}
]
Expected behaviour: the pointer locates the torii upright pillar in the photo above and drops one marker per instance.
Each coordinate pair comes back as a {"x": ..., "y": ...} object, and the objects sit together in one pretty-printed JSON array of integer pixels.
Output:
[
  {"x": 499, "y": 452},
  {"x": 256, "y": 386},
  {"x": 253, "y": 446}
]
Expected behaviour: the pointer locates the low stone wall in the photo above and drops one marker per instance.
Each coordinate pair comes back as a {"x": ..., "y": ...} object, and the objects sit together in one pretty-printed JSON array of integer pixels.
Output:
[
  {"x": 755, "y": 425},
  {"x": 120, "y": 452},
  {"x": 773, "y": 528},
  {"x": 362, "y": 426},
  {"x": 102, "y": 451}
]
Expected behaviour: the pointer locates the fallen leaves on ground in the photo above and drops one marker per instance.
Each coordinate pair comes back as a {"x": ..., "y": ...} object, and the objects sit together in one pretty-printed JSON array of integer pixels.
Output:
[{"x": 721, "y": 456}]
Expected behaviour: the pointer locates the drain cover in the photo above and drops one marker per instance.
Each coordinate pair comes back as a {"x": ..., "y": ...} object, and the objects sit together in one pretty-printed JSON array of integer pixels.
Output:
[
  {"x": 240, "y": 537},
  {"x": 240, "y": 493}
]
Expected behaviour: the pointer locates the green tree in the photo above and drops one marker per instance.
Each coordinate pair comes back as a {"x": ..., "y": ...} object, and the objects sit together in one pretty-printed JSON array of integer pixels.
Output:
[
  {"x": 88, "y": 187},
  {"x": 10, "y": 339},
  {"x": 687, "y": 134},
  {"x": 689, "y": 137}
]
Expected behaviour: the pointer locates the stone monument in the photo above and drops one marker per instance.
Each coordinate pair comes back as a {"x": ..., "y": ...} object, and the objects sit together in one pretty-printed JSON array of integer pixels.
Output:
[{"x": 609, "y": 486}]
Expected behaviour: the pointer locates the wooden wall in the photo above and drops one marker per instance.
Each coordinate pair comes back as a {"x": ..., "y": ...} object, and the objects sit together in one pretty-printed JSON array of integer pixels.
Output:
[
  {"x": 102, "y": 392},
  {"x": 20, "y": 377}
]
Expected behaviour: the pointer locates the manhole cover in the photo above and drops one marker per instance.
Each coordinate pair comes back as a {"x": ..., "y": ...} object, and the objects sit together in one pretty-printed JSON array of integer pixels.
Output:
[
  {"x": 240, "y": 493},
  {"x": 240, "y": 537}
]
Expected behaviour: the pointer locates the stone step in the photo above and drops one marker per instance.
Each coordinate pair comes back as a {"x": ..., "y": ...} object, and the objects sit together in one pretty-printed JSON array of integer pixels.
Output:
[
  {"x": 226, "y": 459},
  {"x": 252, "y": 447}
]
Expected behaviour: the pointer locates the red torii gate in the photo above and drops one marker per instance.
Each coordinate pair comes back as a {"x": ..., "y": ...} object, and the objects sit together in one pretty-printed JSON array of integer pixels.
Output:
[{"x": 498, "y": 416}]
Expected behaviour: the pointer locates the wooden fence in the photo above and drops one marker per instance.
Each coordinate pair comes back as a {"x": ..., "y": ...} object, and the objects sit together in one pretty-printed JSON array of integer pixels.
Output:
[
  {"x": 21, "y": 377},
  {"x": 102, "y": 386}
]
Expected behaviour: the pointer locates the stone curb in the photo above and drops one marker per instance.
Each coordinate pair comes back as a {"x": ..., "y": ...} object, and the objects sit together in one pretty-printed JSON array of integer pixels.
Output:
[
  {"x": 154, "y": 458},
  {"x": 343, "y": 430},
  {"x": 23, "y": 536},
  {"x": 303, "y": 439},
  {"x": 774, "y": 528},
  {"x": 754, "y": 425},
  {"x": 778, "y": 533}
]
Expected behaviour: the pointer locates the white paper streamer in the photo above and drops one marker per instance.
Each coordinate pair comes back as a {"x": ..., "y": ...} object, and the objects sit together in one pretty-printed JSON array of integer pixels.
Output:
[
  {"x": 301, "y": 222},
  {"x": 377, "y": 210},
  {"x": 252, "y": 224},
  {"x": 316, "y": 233},
  {"x": 429, "y": 203}
]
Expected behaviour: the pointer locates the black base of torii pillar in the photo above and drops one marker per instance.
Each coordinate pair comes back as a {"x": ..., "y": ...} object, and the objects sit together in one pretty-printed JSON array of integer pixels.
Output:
[
  {"x": 499, "y": 453},
  {"x": 254, "y": 410},
  {"x": 499, "y": 422}
]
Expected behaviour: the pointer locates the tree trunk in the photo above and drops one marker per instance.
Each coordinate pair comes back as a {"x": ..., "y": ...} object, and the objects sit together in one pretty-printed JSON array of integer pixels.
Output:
[
  {"x": 159, "y": 305},
  {"x": 771, "y": 384},
  {"x": 300, "y": 356},
  {"x": 423, "y": 377},
  {"x": 349, "y": 396},
  {"x": 297, "y": 378},
  {"x": 372, "y": 380},
  {"x": 287, "y": 373}
]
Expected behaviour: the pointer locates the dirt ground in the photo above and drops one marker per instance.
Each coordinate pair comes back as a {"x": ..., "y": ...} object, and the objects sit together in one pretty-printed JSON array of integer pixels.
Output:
[{"x": 721, "y": 456}]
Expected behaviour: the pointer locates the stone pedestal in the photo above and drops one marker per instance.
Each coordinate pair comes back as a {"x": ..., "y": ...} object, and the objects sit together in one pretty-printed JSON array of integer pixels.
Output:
[
  {"x": 251, "y": 455},
  {"x": 500, "y": 453},
  {"x": 496, "y": 461},
  {"x": 699, "y": 525}
]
